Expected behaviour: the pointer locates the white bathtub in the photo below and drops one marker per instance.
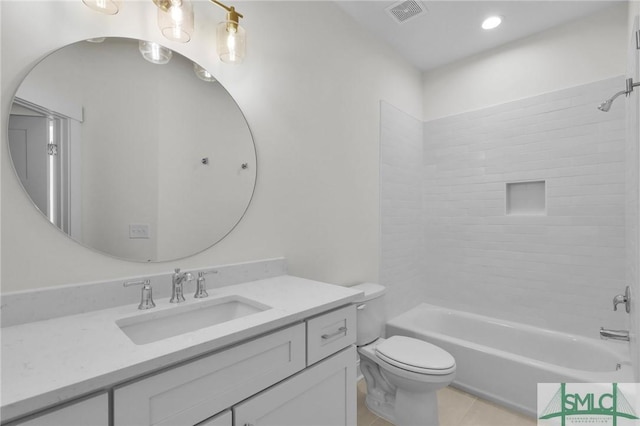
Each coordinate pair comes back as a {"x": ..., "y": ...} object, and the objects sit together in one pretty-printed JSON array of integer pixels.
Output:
[{"x": 503, "y": 361}]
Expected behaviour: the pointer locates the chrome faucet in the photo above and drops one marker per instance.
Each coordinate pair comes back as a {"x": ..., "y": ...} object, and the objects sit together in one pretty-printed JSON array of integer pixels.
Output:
[
  {"x": 623, "y": 298},
  {"x": 177, "y": 282},
  {"x": 614, "y": 334}
]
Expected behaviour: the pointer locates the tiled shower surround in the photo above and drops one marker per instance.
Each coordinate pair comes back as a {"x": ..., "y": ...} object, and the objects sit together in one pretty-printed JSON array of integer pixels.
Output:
[{"x": 447, "y": 237}]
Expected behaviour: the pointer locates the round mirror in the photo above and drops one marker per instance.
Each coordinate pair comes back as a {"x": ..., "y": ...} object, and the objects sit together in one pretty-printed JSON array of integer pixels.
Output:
[{"x": 135, "y": 157}]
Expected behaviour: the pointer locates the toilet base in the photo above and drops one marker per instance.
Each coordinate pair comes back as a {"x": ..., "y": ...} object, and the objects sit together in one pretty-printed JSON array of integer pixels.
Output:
[
  {"x": 416, "y": 409},
  {"x": 381, "y": 396},
  {"x": 380, "y": 408},
  {"x": 408, "y": 408}
]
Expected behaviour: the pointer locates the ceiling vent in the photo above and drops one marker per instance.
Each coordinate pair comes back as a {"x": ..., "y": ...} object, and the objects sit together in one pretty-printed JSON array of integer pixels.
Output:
[{"x": 406, "y": 10}]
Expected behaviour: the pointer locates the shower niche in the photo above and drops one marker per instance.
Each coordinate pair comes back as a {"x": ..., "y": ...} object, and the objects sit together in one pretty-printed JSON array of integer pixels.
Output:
[{"x": 526, "y": 198}]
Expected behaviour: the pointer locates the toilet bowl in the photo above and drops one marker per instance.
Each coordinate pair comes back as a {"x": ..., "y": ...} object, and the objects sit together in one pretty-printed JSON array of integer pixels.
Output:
[{"x": 402, "y": 374}]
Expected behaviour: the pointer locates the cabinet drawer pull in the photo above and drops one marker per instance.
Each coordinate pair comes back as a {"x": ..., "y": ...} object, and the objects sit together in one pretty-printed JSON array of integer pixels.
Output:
[{"x": 335, "y": 333}]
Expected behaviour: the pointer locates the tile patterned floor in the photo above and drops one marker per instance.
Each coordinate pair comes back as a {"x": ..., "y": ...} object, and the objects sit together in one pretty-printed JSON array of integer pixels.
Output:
[{"x": 456, "y": 408}]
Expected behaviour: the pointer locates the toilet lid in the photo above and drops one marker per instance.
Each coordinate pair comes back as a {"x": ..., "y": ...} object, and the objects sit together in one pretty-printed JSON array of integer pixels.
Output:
[{"x": 415, "y": 355}]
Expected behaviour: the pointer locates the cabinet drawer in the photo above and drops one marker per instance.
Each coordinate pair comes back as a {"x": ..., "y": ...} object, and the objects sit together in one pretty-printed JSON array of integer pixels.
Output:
[
  {"x": 330, "y": 332},
  {"x": 191, "y": 393}
]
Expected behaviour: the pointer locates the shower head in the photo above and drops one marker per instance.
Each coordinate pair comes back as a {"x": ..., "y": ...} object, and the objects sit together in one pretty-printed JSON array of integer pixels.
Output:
[{"x": 606, "y": 105}]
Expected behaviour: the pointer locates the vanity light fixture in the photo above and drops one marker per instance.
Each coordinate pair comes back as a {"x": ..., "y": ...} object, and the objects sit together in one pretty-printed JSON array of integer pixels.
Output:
[
  {"x": 176, "y": 22},
  {"x": 491, "y": 22},
  {"x": 175, "y": 19}
]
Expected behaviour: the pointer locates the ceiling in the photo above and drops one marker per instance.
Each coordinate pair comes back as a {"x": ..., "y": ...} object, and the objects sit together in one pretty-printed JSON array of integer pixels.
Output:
[{"x": 450, "y": 30}]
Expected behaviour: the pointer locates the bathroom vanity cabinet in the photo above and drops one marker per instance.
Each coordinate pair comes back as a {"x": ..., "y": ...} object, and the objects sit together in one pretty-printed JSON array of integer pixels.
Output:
[{"x": 300, "y": 374}]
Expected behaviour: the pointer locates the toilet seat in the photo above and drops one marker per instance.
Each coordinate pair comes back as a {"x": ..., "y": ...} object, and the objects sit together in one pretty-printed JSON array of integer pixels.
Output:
[{"x": 415, "y": 355}]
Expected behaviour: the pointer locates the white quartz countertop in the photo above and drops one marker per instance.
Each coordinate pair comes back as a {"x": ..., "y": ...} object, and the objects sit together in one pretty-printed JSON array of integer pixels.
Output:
[{"x": 47, "y": 362}]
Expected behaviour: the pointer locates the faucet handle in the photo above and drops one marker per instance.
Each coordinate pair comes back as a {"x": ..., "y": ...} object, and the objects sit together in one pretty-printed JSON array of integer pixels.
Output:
[
  {"x": 201, "y": 287},
  {"x": 203, "y": 273},
  {"x": 140, "y": 282},
  {"x": 623, "y": 298},
  {"x": 187, "y": 276},
  {"x": 146, "y": 298}
]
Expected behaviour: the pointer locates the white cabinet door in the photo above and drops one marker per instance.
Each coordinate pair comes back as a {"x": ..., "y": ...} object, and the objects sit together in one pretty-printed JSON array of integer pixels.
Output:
[
  {"x": 322, "y": 395},
  {"x": 190, "y": 393},
  {"x": 93, "y": 411}
]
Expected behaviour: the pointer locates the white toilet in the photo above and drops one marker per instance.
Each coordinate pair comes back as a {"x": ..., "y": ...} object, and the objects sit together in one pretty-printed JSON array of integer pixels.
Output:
[{"x": 402, "y": 373}]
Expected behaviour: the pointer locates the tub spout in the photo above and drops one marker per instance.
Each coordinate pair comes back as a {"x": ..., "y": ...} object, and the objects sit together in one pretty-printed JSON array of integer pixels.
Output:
[{"x": 614, "y": 334}]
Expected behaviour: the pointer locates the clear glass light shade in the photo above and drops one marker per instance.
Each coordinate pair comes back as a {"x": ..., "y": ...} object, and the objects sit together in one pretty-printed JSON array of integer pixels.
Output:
[
  {"x": 108, "y": 7},
  {"x": 154, "y": 53},
  {"x": 177, "y": 22},
  {"x": 203, "y": 74},
  {"x": 232, "y": 42}
]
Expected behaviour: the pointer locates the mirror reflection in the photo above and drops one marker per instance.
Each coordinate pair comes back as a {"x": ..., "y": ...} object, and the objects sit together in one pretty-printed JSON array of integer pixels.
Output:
[{"x": 138, "y": 160}]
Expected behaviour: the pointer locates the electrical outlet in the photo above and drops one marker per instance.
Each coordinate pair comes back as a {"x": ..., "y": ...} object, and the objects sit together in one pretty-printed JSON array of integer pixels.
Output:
[{"x": 139, "y": 230}]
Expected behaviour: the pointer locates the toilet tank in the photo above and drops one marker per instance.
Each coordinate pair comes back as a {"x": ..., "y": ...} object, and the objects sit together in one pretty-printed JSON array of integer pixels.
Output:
[{"x": 371, "y": 315}]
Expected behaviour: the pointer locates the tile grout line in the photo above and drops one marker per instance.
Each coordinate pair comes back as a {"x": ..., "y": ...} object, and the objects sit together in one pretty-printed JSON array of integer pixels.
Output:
[{"x": 468, "y": 410}]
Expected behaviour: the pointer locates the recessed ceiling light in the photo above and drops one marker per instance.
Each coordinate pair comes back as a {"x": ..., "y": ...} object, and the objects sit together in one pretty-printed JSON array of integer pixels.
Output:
[{"x": 491, "y": 22}]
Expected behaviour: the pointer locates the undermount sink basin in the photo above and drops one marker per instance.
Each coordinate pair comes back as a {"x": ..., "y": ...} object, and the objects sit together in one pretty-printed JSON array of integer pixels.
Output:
[{"x": 153, "y": 326}]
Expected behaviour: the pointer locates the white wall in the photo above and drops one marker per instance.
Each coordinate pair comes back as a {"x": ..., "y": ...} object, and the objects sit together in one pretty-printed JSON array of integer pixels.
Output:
[
  {"x": 310, "y": 89},
  {"x": 401, "y": 239},
  {"x": 634, "y": 10},
  {"x": 586, "y": 50},
  {"x": 2, "y": 110}
]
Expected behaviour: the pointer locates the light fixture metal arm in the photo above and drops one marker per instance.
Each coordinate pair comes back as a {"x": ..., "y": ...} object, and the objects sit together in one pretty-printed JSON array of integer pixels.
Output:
[
  {"x": 227, "y": 8},
  {"x": 163, "y": 5},
  {"x": 233, "y": 17}
]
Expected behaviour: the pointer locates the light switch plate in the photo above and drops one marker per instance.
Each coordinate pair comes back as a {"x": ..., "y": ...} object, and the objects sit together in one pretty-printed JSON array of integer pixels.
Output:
[{"x": 139, "y": 230}]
